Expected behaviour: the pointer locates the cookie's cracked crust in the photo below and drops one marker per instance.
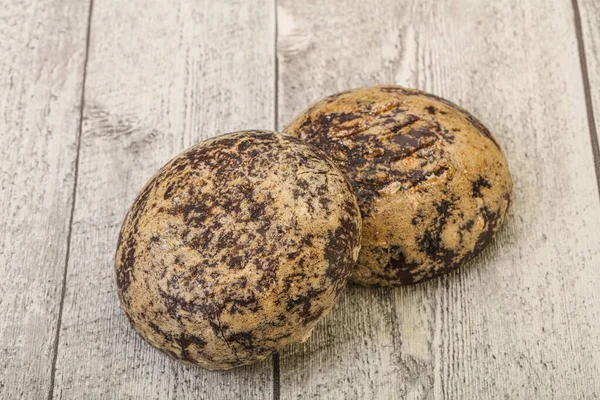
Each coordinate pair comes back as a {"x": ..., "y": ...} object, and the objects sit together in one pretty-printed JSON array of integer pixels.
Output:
[
  {"x": 236, "y": 248},
  {"x": 432, "y": 183}
]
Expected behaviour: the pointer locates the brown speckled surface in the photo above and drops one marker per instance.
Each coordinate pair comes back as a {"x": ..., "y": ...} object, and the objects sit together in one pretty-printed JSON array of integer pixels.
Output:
[
  {"x": 236, "y": 248},
  {"x": 433, "y": 184}
]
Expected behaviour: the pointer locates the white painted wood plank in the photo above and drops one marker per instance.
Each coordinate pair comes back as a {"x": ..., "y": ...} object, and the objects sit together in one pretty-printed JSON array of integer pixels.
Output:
[
  {"x": 162, "y": 75},
  {"x": 523, "y": 320},
  {"x": 42, "y": 48}
]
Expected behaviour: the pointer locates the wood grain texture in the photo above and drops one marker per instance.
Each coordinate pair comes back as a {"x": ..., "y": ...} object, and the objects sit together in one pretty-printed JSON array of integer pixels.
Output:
[
  {"x": 161, "y": 76},
  {"x": 42, "y": 47},
  {"x": 589, "y": 37},
  {"x": 522, "y": 320}
]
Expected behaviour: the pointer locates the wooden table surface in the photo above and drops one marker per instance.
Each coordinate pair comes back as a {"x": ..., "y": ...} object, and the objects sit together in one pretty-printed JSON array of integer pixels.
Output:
[{"x": 96, "y": 96}]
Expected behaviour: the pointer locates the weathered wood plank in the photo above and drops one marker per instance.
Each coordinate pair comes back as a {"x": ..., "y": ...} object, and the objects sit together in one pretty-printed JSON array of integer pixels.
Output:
[
  {"x": 523, "y": 320},
  {"x": 161, "y": 76},
  {"x": 42, "y": 49},
  {"x": 589, "y": 36}
]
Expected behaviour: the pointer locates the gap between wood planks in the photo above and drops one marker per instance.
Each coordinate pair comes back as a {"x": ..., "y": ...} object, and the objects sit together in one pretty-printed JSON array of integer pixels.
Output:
[
  {"x": 276, "y": 367},
  {"x": 73, "y": 196},
  {"x": 587, "y": 90}
]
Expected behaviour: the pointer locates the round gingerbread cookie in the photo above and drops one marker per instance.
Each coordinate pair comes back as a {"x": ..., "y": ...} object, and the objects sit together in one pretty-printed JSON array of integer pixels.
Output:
[
  {"x": 236, "y": 248},
  {"x": 432, "y": 182}
]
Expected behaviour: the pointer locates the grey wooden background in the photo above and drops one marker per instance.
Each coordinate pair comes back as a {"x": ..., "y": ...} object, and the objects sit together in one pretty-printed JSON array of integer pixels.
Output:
[{"x": 95, "y": 96}]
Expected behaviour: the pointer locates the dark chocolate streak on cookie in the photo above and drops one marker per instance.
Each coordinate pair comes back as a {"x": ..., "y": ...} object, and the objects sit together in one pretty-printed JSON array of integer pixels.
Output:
[
  {"x": 431, "y": 243},
  {"x": 337, "y": 253},
  {"x": 448, "y": 261},
  {"x": 183, "y": 340},
  {"x": 368, "y": 159},
  {"x": 474, "y": 121},
  {"x": 399, "y": 265},
  {"x": 127, "y": 259},
  {"x": 481, "y": 182}
]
